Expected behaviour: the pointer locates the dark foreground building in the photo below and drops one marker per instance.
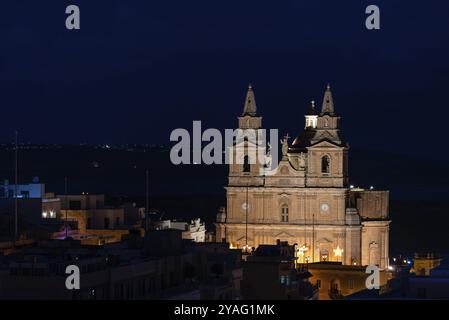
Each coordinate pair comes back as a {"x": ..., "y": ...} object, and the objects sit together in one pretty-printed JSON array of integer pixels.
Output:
[{"x": 134, "y": 269}]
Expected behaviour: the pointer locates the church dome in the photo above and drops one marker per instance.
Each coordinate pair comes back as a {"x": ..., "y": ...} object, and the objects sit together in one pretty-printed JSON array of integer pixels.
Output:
[
  {"x": 296, "y": 142},
  {"x": 312, "y": 111},
  {"x": 302, "y": 141}
]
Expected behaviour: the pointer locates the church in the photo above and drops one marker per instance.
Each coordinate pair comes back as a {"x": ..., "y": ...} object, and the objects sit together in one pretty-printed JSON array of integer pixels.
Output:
[{"x": 307, "y": 201}]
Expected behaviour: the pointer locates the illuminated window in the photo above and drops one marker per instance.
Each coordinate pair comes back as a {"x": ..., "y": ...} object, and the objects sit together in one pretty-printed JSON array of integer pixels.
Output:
[
  {"x": 311, "y": 121},
  {"x": 285, "y": 279},
  {"x": 284, "y": 214},
  {"x": 51, "y": 214},
  {"x": 325, "y": 164}
]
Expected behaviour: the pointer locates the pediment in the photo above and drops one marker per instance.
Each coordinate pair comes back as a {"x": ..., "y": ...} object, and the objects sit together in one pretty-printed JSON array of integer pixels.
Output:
[
  {"x": 283, "y": 234},
  {"x": 373, "y": 244},
  {"x": 324, "y": 240},
  {"x": 284, "y": 195},
  {"x": 284, "y": 169},
  {"x": 248, "y": 144},
  {"x": 325, "y": 144},
  {"x": 242, "y": 239}
]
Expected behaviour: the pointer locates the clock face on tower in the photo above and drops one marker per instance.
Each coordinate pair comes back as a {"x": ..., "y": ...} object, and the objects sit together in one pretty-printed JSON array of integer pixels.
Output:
[{"x": 324, "y": 207}]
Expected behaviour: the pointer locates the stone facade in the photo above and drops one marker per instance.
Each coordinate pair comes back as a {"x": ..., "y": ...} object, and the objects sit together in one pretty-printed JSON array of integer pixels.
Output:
[{"x": 306, "y": 200}]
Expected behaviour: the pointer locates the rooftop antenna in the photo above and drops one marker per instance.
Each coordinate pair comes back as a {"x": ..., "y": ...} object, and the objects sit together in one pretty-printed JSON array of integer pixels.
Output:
[
  {"x": 246, "y": 220},
  {"x": 313, "y": 237},
  {"x": 147, "y": 191},
  {"x": 16, "y": 216},
  {"x": 65, "y": 206},
  {"x": 147, "y": 201}
]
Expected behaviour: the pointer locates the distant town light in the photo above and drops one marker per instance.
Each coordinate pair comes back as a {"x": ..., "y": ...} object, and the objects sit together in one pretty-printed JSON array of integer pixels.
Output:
[
  {"x": 371, "y": 187},
  {"x": 351, "y": 186},
  {"x": 390, "y": 268}
]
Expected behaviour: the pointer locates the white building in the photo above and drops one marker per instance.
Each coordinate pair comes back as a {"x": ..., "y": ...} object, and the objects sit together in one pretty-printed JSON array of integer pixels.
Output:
[{"x": 195, "y": 230}]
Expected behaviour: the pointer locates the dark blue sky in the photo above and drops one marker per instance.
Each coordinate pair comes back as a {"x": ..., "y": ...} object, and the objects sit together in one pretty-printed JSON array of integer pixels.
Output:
[{"x": 138, "y": 69}]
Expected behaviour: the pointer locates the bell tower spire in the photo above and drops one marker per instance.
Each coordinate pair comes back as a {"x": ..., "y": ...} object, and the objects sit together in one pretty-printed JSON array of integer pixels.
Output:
[
  {"x": 328, "y": 152},
  {"x": 328, "y": 120},
  {"x": 328, "y": 102},
  {"x": 250, "y": 107},
  {"x": 249, "y": 118},
  {"x": 246, "y": 155}
]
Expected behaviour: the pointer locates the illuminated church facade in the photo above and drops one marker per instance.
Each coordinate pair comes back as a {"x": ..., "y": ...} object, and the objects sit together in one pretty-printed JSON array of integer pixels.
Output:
[{"x": 308, "y": 200}]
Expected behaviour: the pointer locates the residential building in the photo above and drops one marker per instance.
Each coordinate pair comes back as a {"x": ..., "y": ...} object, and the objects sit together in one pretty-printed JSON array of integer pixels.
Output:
[
  {"x": 195, "y": 230},
  {"x": 336, "y": 280},
  {"x": 270, "y": 273}
]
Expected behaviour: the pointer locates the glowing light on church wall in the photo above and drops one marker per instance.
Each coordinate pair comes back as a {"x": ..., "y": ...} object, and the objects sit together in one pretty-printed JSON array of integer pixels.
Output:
[{"x": 338, "y": 252}]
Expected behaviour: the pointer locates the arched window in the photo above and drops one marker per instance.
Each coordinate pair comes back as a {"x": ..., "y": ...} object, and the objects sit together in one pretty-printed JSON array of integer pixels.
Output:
[
  {"x": 246, "y": 166},
  {"x": 284, "y": 213},
  {"x": 325, "y": 164}
]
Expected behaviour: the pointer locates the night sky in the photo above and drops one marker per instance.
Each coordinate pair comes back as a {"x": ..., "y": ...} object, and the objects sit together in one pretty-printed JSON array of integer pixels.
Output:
[{"x": 138, "y": 69}]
